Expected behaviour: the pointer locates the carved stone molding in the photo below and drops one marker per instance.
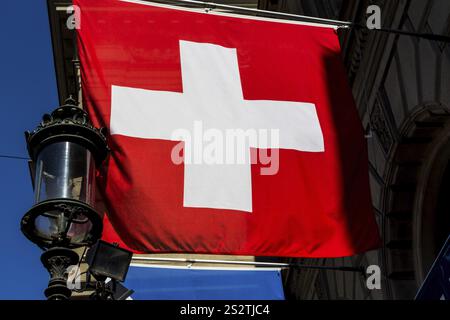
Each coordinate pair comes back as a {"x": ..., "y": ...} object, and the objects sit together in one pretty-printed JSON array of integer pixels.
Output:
[{"x": 381, "y": 126}]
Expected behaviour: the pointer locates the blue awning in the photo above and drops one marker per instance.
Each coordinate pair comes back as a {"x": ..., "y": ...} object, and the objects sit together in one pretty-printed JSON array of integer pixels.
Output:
[
  {"x": 437, "y": 285},
  {"x": 183, "y": 283}
]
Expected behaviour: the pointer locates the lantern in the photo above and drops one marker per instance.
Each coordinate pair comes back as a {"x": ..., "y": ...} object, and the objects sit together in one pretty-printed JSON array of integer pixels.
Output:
[{"x": 65, "y": 150}]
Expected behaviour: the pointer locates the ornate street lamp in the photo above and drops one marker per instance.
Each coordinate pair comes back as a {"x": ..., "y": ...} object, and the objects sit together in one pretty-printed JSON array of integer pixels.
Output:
[{"x": 65, "y": 149}]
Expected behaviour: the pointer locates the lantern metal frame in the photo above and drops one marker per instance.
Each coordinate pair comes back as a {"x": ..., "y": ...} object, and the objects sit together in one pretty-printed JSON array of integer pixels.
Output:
[
  {"x": 69, "y": 207},
  {"x": 68, "y": 123},
  {"x": 56, "y": 260}
]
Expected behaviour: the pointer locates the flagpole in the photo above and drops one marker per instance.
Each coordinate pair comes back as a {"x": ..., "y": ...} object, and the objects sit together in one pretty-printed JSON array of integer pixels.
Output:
[
  {"x": 360, "y": 269},
  {"x": 208, "y": 6},
  {"x": 211, "y": 6}
]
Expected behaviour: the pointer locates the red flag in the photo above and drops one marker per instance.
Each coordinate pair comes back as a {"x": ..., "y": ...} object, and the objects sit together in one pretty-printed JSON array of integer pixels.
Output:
[{"x": 229, "y": 135}]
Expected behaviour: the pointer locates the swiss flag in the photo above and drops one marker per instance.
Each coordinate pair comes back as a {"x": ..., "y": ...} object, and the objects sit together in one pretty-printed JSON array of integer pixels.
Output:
[{"x": 176, "y": 87}]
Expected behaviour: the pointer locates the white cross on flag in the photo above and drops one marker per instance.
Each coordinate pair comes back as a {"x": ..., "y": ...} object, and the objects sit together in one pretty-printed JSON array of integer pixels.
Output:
[{"x": 229, "y": 135}]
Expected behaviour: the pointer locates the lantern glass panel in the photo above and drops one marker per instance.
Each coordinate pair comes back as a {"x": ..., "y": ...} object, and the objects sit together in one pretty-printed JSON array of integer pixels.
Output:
[
  {"x": 65, "y": 170},
  {"x": 53, "y": 223}
]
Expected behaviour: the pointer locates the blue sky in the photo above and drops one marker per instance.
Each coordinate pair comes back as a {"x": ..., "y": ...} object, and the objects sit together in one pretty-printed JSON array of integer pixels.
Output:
[{"x": 27, "y": 91}]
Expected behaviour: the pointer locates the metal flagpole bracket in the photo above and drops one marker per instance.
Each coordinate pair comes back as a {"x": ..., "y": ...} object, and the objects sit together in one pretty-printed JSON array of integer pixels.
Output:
[{"x": 209, "y": 6}]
